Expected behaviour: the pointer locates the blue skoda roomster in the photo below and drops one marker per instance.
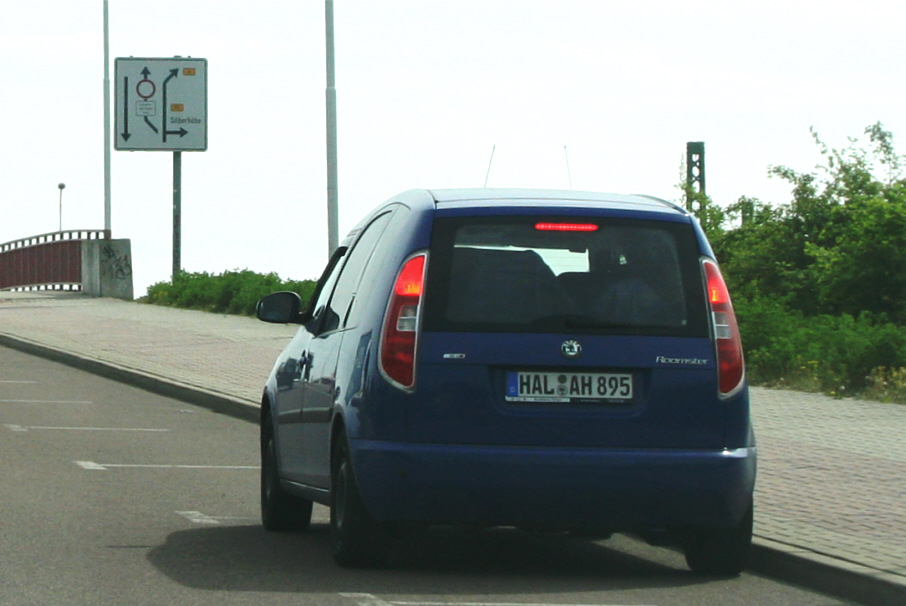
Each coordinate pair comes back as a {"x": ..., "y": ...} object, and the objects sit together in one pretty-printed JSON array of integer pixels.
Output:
[{"x": 549, "y": 359}]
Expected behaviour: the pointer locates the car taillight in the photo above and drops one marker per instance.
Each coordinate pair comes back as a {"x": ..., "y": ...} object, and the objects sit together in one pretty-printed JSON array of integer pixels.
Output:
[
  {"x": 730, "y": 363},
  {"x": 398, "y": 339}
]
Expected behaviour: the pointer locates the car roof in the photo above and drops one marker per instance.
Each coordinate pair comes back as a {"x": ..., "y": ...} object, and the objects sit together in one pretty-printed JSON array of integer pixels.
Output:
[{"x": 489, "y": 197}]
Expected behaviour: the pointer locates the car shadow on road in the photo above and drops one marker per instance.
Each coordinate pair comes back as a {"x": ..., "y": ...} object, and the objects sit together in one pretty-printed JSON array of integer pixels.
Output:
[{"x": 446, "y": 561}]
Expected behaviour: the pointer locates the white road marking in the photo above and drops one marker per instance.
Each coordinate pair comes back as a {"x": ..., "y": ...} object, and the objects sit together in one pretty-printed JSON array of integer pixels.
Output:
[
  {"x": 47, "y": 428},
  {"x": 105, "y": 466},
  {"x": 11, "y": 382},
  {"x": 402, "y": 603},
  {"x": 197, "y": 517},
  {"x": 46, "y": 402},
  {"x": 200, "y": 518},
  {"x": 367, "y": 599}
]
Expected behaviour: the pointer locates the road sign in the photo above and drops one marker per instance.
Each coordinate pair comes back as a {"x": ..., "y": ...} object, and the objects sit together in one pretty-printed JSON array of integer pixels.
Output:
[{"x": 161, "y": 104}]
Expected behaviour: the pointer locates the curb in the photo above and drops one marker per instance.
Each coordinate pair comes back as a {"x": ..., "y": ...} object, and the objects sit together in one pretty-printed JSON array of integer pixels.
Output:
[
  {"x": 780, "y": 561},
  {"x": 220, "y": 403},
  {"x": 838, "y": 578}
]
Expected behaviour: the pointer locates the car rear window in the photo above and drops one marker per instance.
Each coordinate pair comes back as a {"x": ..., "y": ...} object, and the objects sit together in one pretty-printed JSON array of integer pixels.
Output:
[{"x": 585, "y": 274}]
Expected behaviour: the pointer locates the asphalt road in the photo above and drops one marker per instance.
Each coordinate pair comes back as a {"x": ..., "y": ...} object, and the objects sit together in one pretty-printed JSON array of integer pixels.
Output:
[{"x": 113, "y": 495}]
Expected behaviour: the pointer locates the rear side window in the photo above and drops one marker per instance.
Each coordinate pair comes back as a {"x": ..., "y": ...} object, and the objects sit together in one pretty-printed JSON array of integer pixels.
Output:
[
  {"x": 588, "y": 274},
  {"x": 347, "y": 284}
]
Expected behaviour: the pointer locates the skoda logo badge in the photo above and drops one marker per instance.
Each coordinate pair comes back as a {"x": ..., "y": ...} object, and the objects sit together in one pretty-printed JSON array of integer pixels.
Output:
[{"x": 571, "y": 349}]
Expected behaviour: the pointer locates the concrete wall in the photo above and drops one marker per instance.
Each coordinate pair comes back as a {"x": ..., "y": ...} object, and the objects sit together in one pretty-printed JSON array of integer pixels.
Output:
[{"x": 107, "y": 268}]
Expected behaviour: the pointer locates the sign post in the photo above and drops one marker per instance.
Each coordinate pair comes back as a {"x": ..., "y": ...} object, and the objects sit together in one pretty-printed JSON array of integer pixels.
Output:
[
  {"x": 161, "y": 104},
  {"x": 177, "y": 214}
]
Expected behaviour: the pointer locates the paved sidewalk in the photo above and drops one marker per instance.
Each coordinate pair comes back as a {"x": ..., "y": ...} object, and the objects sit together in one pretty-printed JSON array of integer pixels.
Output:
[{"x": 831, "y": 489}]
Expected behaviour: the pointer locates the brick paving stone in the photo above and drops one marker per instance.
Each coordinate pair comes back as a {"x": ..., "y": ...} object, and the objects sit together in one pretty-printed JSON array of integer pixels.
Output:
[{"x": 832, "y": 476}]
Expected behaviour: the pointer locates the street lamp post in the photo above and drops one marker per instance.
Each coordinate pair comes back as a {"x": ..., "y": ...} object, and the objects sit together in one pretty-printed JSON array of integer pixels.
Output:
[
  {"x": 62, "y": 186},
  {"x": 332, "y": 194}
]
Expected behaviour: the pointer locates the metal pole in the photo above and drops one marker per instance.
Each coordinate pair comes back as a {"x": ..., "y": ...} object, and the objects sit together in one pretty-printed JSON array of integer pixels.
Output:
[
  {"x": 695, "y": 170},
  {"x": 106, "y": 123},
  {"x": 61, "y": 186},
  {"x": 177, "y": 218},
  {"x": 332, "y": 194}
]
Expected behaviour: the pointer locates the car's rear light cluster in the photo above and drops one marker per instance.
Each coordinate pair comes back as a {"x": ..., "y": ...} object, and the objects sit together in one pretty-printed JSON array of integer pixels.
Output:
[
  {"x": 730, "y": 363},
  {"x": 398, "y": 339}
]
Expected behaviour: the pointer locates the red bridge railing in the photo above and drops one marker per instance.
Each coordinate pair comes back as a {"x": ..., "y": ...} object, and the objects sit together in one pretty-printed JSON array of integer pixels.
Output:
[{"x": 47, "y": 262}]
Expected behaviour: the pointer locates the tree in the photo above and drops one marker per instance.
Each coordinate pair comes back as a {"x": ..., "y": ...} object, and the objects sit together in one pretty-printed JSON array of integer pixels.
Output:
[
  {"x": 839, "y": 246},
  {"x": 853, "y": 228},
  {"x": 762, "y": 256}
]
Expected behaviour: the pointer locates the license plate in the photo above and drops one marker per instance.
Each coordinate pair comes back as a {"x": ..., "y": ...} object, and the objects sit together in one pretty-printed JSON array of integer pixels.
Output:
[{"x": 567, "y": 386}]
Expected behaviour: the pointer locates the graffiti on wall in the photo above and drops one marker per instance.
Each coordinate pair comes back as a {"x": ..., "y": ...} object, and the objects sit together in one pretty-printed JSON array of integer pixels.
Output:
[{"x": 114, "y": 264}]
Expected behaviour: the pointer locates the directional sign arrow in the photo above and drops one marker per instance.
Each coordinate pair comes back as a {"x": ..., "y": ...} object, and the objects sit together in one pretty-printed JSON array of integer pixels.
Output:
[
  {"x": 125, "y": 133},
  {"x": 172, "y": 75},
  {"x": 182, "y": 132}
]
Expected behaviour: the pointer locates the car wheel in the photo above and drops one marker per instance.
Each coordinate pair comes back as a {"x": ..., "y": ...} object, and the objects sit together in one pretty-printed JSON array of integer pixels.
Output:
[
  {"x": 280, "y": 511},
  {"x": 356, "y": 539},
  {"x": 720, "y": 552}
]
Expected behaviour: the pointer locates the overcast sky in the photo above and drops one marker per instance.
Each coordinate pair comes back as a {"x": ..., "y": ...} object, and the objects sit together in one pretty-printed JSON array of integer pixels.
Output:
[{"x": 425, "y": 90}]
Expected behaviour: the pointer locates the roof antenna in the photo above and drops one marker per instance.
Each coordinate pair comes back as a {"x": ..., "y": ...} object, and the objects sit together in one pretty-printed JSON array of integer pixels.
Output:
[
  {"x": 568, "y": 174},
  {"x": 489, "y": 165}
]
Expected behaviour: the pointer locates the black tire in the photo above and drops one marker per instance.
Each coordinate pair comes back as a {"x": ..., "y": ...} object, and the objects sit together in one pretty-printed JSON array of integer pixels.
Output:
[
  {"x": 722, "y": 551},
  {"x": 280, "y": 511},
  {"x": 357, "y": 540}
]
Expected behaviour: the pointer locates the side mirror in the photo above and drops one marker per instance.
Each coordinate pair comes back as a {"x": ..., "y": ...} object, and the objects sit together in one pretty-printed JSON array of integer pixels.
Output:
[{"x": 280, "y": 308}]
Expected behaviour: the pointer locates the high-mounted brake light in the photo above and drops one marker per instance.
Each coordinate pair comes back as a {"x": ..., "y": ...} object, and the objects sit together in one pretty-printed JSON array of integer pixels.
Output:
[
  {"x": 730, "y": 362},
  {"x": 399, "y": 336},
  {"x": 566, "y": 227}
]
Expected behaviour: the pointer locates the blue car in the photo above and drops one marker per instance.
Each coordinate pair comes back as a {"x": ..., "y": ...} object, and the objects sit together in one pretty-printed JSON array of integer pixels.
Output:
[{"x": 530, "y": 358}]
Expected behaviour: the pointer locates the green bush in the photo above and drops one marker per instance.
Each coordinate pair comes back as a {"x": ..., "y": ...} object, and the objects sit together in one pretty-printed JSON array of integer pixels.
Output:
[
  {"x": 838, "y": 355},
  {"x": 232, "y": 292}
]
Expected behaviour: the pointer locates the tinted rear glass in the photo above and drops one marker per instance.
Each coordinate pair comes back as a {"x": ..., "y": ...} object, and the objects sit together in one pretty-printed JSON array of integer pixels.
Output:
[{"x": 542, "y": 274}]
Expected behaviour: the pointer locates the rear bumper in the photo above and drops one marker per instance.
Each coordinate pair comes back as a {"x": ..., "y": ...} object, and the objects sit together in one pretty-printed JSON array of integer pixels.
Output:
[{"x": 618, "y": 489}]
